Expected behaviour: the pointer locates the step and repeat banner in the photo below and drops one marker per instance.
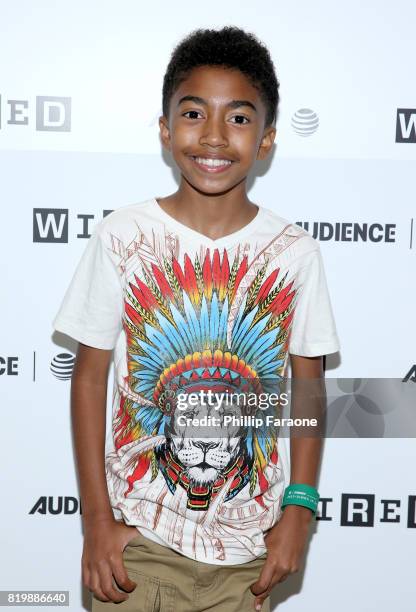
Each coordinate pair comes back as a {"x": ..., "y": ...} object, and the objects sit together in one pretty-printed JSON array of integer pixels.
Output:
[{"x": 80, "y": 97}]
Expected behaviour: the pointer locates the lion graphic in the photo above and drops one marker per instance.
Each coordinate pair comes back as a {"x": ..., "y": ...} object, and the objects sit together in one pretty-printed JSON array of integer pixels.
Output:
[{"x": 205, "y": 448}]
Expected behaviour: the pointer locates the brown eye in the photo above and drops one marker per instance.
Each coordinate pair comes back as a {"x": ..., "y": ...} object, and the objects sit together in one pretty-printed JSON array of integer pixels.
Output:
[
  {"x": 192, "y": 111},
  {"x": 241, "y": 117}
]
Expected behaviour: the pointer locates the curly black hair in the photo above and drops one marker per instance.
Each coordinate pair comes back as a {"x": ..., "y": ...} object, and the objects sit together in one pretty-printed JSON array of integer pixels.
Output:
[{"x": 230, "y": 47}]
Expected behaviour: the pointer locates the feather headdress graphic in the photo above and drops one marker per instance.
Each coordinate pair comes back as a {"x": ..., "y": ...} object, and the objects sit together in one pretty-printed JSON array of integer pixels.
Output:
[{"x": 206, "y": 324}]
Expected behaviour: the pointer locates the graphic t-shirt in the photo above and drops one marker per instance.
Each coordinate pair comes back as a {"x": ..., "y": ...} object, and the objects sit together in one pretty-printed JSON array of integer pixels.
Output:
[{"x": 184, "y": 312}]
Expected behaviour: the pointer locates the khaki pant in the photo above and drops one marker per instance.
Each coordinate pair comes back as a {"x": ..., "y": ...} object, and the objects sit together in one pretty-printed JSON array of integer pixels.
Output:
[{"x": 167, "y": 581}]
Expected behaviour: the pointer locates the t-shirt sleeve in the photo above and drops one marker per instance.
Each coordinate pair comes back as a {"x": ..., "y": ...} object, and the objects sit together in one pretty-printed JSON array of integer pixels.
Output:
[
  {"x": 91, "y": 310},
  {"x": 313, "y": 331}
]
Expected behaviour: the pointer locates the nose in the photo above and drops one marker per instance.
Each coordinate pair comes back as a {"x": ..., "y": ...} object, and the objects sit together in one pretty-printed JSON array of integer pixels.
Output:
[
  {"x": 205, "y": 446},
  {"x": 213, "y": 133}
]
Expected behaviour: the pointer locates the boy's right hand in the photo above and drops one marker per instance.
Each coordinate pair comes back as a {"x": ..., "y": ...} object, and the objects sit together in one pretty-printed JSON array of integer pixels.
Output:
[{"x": 102, "y": 558}]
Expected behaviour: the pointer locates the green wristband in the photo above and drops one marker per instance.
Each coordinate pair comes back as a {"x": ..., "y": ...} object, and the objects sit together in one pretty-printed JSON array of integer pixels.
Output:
[{"x": 301, "y": 495}]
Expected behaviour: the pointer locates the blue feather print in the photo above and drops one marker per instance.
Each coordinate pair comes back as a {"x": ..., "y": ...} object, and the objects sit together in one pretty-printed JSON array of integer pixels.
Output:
[
  {"x": 163, "y": 342},
  {"x": 222, "y": 329},
  {"x": 183, "y": 328},
  {"x": 214, "y": 320},
  {"x": 260, "y": 345},
  {"x": 204, "y": 324},
  {"x": 253, "y": 333},
  {"x": 243, "y": 327},
  {"x": 171, "y": 331},
  {"x": 151, "y": 350}
]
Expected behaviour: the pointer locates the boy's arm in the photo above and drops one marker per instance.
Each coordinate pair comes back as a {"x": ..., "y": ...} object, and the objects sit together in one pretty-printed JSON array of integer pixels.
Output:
[
  {"x": 104, "y": 537},
  {"x": 286, "y": 541},
  {"x": 305, "y": 452},
  {"x": 88, "y": 413}
]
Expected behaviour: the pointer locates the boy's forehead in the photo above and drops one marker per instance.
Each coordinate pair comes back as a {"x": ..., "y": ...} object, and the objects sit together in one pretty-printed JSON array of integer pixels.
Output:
[{"x": 216, "y": 82}]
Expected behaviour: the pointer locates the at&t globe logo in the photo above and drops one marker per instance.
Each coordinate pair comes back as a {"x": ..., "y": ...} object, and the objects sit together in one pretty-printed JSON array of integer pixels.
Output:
[
  {"x": 305, "y": 122},
  {"x": 62, "y": 366}
]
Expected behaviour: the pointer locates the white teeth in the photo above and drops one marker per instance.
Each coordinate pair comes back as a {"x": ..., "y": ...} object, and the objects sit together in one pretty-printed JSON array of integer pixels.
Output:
[{"x": 212, "y": 162}]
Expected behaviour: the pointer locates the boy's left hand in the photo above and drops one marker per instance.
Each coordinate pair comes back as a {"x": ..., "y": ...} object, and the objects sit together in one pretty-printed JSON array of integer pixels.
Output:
[{"x": 285, "y": 544}]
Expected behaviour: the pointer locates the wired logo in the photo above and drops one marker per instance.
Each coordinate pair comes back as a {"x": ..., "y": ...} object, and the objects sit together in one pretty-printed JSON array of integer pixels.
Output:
[
  {"x": 51, "y": 113},
  {"x": 51, "y": 224},
  {"x": 406, "y": 125}
]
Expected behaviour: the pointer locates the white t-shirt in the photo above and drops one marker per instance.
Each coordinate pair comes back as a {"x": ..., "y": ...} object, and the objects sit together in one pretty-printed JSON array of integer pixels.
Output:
[{"x": 184, "y": 312}]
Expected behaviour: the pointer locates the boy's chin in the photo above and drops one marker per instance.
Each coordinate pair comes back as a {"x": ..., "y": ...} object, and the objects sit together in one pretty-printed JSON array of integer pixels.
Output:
[{"x": 211, "y": 185}]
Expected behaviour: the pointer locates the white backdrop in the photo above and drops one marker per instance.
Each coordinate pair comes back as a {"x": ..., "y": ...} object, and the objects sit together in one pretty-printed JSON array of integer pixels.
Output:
[{"x": 80, "y": 89}]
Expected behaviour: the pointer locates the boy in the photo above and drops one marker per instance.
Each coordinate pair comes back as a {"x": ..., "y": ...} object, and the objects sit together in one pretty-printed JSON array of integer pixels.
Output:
[{"x": 202, "y": 290}]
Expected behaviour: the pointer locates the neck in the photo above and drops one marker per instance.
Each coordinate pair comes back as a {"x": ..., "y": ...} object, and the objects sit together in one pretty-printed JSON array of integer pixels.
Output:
[{"x": 214, "y": 215}]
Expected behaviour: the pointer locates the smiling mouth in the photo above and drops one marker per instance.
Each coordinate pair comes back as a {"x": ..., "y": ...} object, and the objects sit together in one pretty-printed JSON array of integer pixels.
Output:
[{"x": 210, "y": 164}]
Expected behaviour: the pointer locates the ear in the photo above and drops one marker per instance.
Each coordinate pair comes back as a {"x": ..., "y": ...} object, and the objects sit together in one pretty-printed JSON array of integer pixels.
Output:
[
  {"x": 266, "y": 142},
  {"x": 164, "y": 132}
]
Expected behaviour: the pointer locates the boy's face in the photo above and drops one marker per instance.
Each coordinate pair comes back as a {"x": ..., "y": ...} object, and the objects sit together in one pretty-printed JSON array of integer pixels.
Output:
[{"x": 222, "y": 119}]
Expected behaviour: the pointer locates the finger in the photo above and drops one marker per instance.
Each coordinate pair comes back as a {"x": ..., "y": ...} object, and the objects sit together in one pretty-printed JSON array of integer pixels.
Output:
[
  {"x": 86, "y": 576},
  {"x": 121, "y": 576},
  {"x": 107, "y": 587},
  {"x": 94, "y": 586},
  {"x": 259, "y": 601},
  {"x": 263, "y": 581}
]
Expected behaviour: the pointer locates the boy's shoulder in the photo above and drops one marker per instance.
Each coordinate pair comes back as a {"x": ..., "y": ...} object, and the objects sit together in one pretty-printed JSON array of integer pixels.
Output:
[
  {"x": 289, "y": 233},
  {"x": 124, "y": 217}
]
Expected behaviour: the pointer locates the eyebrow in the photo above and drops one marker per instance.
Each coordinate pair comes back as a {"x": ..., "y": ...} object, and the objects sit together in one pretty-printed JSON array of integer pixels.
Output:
[{"x": 231, "y": 104}]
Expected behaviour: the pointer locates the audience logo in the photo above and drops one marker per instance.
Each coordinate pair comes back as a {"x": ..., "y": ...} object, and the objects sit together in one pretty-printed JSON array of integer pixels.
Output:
[
  {"x": 9, "y": 366},
  {"x": 49, "y": 504},
  {"x": 326, "y": 231}
]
